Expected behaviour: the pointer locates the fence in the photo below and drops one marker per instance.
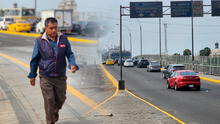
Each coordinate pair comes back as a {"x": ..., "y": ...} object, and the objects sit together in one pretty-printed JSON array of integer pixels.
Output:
[{"x": 204, "y": 64}]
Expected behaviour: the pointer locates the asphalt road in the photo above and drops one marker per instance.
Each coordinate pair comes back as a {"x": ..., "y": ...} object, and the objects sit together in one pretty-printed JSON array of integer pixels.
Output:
[{"x": 194, "y": 107}]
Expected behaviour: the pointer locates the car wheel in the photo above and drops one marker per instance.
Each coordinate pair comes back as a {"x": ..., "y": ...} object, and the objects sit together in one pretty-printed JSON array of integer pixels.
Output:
[
  {"x": 176, "y": 87},
  {"x": 168, "y": 85},
  {"x": 164, "y": 76}
]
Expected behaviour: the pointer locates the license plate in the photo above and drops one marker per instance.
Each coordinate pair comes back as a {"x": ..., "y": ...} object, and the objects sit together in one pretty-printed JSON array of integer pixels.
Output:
[{"x": 191, "y": 86}]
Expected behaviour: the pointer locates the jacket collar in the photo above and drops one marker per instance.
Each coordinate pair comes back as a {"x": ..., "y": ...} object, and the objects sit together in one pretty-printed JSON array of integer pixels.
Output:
[{"x": 44, "y": 37}]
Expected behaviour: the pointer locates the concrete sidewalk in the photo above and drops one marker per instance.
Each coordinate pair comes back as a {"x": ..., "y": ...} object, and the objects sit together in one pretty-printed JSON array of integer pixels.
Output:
[
  {"x": 126, "y": 109},
  {"x": 22, "y": 104}
]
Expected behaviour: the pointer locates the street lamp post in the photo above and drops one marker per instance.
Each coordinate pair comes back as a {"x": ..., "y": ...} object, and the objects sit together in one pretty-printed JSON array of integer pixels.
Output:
[
  {"x": 121, "y": 83},
  {"x": 35, "y": 6},
  {"x": 165, "y": 32},
  {"x": 160, "y": 40},
  {"x": 141, "y": 42},
  {"x": 192, "y": 23},
  {"x": 130, "y": 37},
  {"x": 130, "y": 43},
  {"x": 141, "y": 39}
]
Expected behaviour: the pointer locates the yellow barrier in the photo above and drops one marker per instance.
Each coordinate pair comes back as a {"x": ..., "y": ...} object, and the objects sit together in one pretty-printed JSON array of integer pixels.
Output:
[
  {"x": 38, "y": 35},
  {"x": 210, "y": 80}
]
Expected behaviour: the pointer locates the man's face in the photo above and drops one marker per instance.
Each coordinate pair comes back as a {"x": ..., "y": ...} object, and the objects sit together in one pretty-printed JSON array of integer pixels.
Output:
[{"x": 51, "y": 29}]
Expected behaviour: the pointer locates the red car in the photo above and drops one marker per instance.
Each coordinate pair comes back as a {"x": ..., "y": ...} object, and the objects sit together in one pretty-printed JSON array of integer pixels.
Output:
[{"x": 184, "y": 78}]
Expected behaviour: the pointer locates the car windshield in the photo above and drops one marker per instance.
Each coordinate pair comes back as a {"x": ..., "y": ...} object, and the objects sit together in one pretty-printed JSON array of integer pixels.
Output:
[
  {"x": 22, "y": 22},
  {"x": 155, "y": 63},
  {"x": 179, "y": 67},
  {"x": 144, "y": 61},
  {"x": 188, "y": 73},
  {"x": 9, "y": 20},
  {"x": 129, "y": 60}
]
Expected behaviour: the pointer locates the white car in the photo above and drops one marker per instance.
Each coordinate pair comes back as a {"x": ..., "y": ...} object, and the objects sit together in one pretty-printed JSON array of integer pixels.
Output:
[
  {"x": 4, "y": 22},
  {"x": 128, "y": 63}
]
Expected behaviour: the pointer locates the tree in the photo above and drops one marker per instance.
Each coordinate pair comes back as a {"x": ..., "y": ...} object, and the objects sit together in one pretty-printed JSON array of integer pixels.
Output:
[
  {"x": 205, "y": 52},
  {"x": 176, "y": 54},
  {"x": 187, "y": 52}
]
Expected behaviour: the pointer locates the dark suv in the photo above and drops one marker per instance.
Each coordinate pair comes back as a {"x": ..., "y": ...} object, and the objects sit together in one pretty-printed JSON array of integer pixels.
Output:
[
  {"x": 171, "y": 68},
  {"x": 143, "y": 63}
]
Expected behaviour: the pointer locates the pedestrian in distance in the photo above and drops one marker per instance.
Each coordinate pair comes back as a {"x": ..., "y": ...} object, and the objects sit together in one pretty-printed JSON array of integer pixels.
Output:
[{"x": 50, "y": 52}]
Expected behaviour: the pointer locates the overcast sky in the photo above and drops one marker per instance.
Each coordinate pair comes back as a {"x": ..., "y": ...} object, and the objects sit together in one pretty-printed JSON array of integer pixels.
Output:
[{"x": 207, "y": 28}]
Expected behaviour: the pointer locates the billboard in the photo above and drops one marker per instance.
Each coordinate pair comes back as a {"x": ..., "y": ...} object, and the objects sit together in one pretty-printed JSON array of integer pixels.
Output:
[{"x": 186, "y": 8}]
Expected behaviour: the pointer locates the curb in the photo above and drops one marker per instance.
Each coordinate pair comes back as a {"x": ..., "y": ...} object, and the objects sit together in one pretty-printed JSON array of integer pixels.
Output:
[{"x": 38, "y": 35}]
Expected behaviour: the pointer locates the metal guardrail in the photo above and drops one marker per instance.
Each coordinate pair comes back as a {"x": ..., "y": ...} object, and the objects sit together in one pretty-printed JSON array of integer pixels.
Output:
[{"x": 203, "y": 64}]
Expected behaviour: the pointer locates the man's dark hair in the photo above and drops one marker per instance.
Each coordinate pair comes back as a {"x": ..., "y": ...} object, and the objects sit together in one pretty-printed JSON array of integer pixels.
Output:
[{"x": 50, "y": 20}]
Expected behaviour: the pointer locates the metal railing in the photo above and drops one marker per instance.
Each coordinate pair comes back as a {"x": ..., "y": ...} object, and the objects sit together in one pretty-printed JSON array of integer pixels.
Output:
[{"x": 203, "y": 64}]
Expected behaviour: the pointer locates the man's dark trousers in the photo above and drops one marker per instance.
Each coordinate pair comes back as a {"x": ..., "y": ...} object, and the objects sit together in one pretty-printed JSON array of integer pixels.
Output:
[{"x": 54, "y": 94}]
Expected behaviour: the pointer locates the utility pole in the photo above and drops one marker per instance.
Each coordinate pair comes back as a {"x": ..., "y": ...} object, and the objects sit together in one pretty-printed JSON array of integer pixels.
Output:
[
  {"x": 130, "y": 43},
  {"x": 129, "y": 39},
  {"x": 141, "y": 39},
  {"x": 160, "y": 40},
  {"x": 35, "y": 7},
  {"x": 165, "y": 31},
  {"x": 123, "y": 53},
  {"x": 109, "y": 50},
  {"x": 192, "y": 23},
  {"x": 121, "y": 83}
]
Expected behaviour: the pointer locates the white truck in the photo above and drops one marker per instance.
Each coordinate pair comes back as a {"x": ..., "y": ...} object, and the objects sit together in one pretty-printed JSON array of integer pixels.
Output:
[{"x": 64, "y": 18}]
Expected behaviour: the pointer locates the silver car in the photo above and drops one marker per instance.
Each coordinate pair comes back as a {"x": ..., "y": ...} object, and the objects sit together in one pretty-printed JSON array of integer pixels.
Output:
[{"x": 154, "y": 66}]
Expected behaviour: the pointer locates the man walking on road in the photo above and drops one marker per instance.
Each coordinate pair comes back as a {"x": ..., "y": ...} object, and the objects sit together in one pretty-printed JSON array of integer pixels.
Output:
[{"x": 50, "y": 52}]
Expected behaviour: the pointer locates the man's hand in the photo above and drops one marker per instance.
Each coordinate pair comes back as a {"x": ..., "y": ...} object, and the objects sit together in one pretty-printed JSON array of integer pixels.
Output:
[
  {"x": 32, "y": 81},
  {"x": 73, "y": 68}
]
